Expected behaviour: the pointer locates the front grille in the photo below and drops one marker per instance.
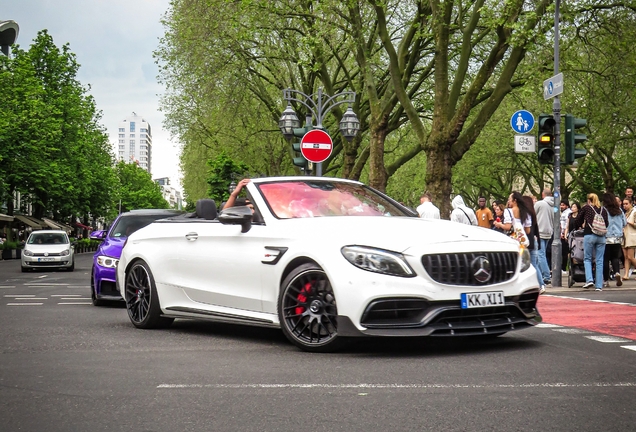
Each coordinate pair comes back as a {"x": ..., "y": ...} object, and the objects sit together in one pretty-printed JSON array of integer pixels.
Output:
[
  {"x": 456, "y": 268},
  {"x": 46, "y": 263},
  {"x": 51, "y": 254},
  {"x": 465, "y": 322}
]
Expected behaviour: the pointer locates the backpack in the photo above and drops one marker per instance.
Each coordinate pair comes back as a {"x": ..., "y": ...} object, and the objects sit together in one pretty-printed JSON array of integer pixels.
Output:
[{"x": 598, "y": 223}]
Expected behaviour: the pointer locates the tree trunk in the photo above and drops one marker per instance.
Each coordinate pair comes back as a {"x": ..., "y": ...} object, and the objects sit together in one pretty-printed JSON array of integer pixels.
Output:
[
  {"x": 378, "y": 176},
  {"x": 439, "y": 169}
]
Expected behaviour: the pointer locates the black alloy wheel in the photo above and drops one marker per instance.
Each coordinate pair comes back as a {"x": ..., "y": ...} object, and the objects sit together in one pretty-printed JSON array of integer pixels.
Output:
[
  {"x": 142, "y": 302},
  {"x": 307, "y": 310}
]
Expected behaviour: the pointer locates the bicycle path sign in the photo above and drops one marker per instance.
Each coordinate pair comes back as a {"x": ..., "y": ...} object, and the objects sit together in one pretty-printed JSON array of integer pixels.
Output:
[{"x": 522, "y": 121}]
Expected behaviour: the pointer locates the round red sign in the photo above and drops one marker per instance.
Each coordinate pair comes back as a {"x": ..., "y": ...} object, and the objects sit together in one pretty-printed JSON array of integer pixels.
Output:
[{"x": 316, "y": 146}]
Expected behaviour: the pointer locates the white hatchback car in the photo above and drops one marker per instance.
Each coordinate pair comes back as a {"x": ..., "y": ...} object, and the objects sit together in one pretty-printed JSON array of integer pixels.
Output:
[
  {"x": 48, "y": 249},
  {"x": 325, "y": 259}
]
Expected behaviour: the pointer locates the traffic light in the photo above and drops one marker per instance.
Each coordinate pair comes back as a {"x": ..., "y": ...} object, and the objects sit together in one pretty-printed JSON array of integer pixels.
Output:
[
  {"x": 298, "y": 159},
  {"x": 572, "y": 139},
  {"x": 545, "y": 139}
]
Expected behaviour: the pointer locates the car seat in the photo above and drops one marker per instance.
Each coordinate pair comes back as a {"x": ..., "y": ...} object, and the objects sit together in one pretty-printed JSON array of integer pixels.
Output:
[{"x": 206, "y": 209}]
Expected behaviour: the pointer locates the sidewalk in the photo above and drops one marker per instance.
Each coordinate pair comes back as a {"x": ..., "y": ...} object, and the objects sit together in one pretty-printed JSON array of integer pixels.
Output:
[{"x": 578, "y": 286}]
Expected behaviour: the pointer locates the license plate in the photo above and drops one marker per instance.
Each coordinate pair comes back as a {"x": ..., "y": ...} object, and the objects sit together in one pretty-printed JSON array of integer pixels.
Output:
[
  {"x": 482, "y": 299},
  {"x": 46, "y": 259}
]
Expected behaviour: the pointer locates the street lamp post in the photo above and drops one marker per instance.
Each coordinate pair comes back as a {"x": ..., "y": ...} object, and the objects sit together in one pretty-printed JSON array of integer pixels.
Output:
[{"x": 318, "y": 104}]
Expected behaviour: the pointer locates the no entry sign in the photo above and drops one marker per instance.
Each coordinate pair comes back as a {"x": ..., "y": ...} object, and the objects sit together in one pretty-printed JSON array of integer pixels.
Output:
[{"x": 316, "y": 146}]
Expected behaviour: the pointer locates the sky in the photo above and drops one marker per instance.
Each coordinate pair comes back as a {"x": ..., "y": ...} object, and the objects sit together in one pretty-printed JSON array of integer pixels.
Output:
[{"x": 113, "y": 41}]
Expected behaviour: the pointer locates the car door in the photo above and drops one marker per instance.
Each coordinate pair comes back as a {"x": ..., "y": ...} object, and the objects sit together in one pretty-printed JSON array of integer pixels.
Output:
[{"x": 221, "y": 266}]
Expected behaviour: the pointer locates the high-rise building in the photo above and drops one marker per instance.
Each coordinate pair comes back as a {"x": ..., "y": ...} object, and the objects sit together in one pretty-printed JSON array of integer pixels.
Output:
[{"x": 135, "y": 141}]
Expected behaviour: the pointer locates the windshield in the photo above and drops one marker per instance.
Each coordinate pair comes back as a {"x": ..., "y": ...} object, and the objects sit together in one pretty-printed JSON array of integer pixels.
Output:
[
  {"x": 126, "y": 225},
  {"x": 48, "y": 238},
  {"x": 313, "y": 198}
]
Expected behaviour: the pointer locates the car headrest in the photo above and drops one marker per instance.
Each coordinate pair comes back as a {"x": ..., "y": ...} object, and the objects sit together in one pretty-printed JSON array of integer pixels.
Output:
[{"x": 206, "y": 209}]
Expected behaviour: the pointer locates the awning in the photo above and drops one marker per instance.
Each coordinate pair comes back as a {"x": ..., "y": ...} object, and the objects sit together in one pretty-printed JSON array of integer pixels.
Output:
[
  {"x": 52, "y": 224},
  {"x": 6, "y": 218},
  {"x": 29, "y": 221}
]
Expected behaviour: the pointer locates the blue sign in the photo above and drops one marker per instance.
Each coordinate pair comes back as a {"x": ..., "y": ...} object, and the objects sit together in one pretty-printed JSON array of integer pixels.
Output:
[{"x": 522, "y": 121}]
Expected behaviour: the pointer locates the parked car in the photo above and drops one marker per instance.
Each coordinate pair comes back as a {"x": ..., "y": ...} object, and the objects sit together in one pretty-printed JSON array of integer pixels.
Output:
[
  {"x": 48, "y": 249},
  {"x": 103, "y": 288},
  {"x": 325, "y": 259}
]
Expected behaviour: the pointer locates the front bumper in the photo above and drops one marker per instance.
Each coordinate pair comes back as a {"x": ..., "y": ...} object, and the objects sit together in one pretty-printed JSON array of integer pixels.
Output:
[
  {"x": 47, "y": 262},
  {"x": 105, "y": 283},
  {"x": 417, "y": 317}
]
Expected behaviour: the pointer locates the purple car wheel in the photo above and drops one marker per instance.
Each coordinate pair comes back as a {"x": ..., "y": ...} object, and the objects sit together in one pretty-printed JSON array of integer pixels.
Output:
[
  {"x": 307, "y": 310},
  {"x": 142, "y": 302}
]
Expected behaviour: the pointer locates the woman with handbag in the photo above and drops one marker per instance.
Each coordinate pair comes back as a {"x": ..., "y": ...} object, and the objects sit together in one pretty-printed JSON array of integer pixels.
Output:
[
  {"x": 593, "y": 239},
  {"x": 526, "y": 232},
  {"x": 613, "y": 239},
  {"x": 629, "y": 235}
]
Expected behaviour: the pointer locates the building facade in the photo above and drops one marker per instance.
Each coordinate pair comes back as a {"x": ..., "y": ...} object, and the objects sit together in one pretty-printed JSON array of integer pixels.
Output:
[
  {"x": 134, "y": 142},
  {"x": 170, "y": 194}
]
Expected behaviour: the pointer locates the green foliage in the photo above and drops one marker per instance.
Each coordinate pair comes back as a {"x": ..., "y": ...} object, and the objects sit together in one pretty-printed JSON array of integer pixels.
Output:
[
  {"x": 221, "y": 172},
  {"x": 136, "y": 190},
  {"x": 52, "y": 149}
]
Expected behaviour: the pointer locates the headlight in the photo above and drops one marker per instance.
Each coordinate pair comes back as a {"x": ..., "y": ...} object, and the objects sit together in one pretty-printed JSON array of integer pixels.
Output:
[
  {"x": 107, "y": 262},
  {"x": 377, "y": 260},
  {"x": 27, "y": 252},
  {"x": 65, "y": 252},
  {"x": 526, "y": 261}
]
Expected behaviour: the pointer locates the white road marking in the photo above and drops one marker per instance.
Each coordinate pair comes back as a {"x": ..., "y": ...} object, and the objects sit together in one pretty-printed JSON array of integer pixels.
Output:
[
  {"x": 629, "y": 347},
  {"x": 571, "y": 331},
  {"x": 76, "y": 303},
  {"x": 42, "y": 277},
  {"x": 25, "y": 304},
  {"x": 608, "y": 339},
  {"x": 19, "y": 295},
  {"x": 42, "y": 284},
  {"x": 30, "y": 298},
  {"x": 590, "y": 300},
  {"x": 546, "y": 325},
  {"x": 7, "y": 286},
  {"x": 391, "y": 386},
  {"x": 65, "y": 295},
  {"x": 75, "y": 298}
]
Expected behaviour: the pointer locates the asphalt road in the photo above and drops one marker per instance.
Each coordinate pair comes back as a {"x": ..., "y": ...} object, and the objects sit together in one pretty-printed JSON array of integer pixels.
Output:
[{"x": 68, "y": 366}]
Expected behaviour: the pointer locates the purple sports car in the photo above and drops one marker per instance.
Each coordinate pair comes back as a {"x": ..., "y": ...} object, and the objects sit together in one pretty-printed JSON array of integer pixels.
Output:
[{"x": 107, "y": 255}]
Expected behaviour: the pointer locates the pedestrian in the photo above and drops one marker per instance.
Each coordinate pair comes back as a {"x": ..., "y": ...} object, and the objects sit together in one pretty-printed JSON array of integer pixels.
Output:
[
  {"x": 544, "y": 210},
  {"x": 500, "y": 209},
  {"x": 613, "y": 240},
  {"x": 483, "y": 213},
  {"x": 563, "y": 222},
  {"x": 629, "y": 234},
  {"x": 533, "y": 236},
  {"x": 426, "y": 209},
  {"x": 629, "y": 194},
  {"x": 574, "y": 212},
  {"x": 593, "y": 241},
  {"x": 461, "y": 213}
]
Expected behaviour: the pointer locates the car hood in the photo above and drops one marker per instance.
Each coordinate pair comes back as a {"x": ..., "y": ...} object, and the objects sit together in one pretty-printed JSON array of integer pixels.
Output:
[
  {"x": 112, "y": 247},
  {"x": 50, "y": 248},
  {"x": 401, "y": 234}
]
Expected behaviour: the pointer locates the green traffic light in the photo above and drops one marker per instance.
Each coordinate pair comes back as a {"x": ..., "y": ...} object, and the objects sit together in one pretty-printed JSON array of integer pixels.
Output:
[{"x": 572, "y": 138}]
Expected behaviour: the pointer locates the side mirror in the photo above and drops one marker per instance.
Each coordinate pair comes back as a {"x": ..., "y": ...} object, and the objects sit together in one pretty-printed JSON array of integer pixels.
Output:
[
  {"x": 241, "y": 215},
  {"x": 98, "y": 235}
]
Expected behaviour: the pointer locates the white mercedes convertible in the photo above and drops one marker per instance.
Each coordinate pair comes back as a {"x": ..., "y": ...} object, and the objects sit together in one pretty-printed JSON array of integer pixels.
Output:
[{"x": 327, "y": 259}]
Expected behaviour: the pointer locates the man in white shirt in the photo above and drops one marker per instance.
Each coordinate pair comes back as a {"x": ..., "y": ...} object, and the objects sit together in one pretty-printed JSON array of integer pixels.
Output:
[
  {"x": 565, "y": 213},
  {"x": 427, "y": 209}
]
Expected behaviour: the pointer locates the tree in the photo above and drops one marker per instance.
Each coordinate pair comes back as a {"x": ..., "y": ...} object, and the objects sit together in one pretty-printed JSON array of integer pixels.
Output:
[
  {"x": 136, "y": 188},
  {"x": 222, "y": 171}
]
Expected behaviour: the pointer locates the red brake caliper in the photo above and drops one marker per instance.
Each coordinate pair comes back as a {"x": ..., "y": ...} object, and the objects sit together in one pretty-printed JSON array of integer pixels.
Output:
[{"x": 302, "y": 298}]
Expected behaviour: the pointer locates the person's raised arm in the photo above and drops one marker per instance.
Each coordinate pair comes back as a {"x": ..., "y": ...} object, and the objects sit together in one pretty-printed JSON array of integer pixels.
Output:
[{"x": 239, "y": 187}]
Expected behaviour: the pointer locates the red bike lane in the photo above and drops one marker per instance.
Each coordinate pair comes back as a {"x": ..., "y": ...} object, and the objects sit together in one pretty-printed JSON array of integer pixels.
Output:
[{"x": 608, "y": 318}]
